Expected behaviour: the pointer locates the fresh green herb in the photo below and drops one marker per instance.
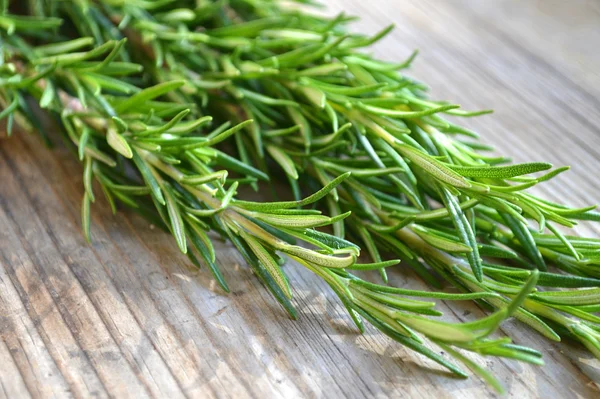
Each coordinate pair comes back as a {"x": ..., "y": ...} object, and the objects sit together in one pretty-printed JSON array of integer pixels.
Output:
[{"x": 134, "y": 83}]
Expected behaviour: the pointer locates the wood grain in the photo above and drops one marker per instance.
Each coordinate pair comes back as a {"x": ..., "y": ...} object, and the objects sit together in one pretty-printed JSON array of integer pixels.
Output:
[{"x": 128, "y": 317}]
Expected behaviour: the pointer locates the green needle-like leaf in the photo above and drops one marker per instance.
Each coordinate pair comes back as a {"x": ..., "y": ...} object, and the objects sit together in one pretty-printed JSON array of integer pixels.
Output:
[
  {"x": 500, "y": 172},
  {"x": 177, "y": 226}
]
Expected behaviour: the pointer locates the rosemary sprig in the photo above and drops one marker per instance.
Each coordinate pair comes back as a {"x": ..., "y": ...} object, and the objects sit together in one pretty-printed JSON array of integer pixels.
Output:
[
  {"x": 308, "y": 100},
  {"x": 319, "y": 108}
]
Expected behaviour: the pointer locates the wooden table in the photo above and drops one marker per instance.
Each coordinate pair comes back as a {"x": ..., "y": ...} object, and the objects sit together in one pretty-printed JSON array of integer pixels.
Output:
[{"x": 128, "y": 317}]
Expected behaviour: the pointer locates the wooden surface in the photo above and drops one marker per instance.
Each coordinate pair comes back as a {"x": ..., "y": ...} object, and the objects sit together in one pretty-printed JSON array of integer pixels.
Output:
[{"x": 128, "y": 317}]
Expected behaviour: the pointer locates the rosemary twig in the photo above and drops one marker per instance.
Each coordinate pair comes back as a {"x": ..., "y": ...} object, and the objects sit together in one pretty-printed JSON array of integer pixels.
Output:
[{"x": 282, "y": 74}]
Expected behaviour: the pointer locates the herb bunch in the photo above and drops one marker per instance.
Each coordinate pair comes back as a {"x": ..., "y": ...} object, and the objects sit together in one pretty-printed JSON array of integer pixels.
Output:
[
  {"x": 320, "y": 107},
  {"x": 132, "y": 84}
]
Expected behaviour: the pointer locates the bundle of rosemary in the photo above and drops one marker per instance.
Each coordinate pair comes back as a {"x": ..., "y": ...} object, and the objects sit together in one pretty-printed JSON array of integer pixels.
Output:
[{"x": 133, "y": 84}]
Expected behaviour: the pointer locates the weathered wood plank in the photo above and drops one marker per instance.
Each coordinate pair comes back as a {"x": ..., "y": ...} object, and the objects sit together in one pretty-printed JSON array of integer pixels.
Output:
[
  {"x": 11, "y": 380},
  {"x": 23, "y": 341},
  {"x": 128, "y": 317},
  {"x": 42, "y": 258}
]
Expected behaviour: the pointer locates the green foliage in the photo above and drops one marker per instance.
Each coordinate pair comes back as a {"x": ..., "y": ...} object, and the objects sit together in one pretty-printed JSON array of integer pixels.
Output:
[{"x": 133, "y": 84}]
